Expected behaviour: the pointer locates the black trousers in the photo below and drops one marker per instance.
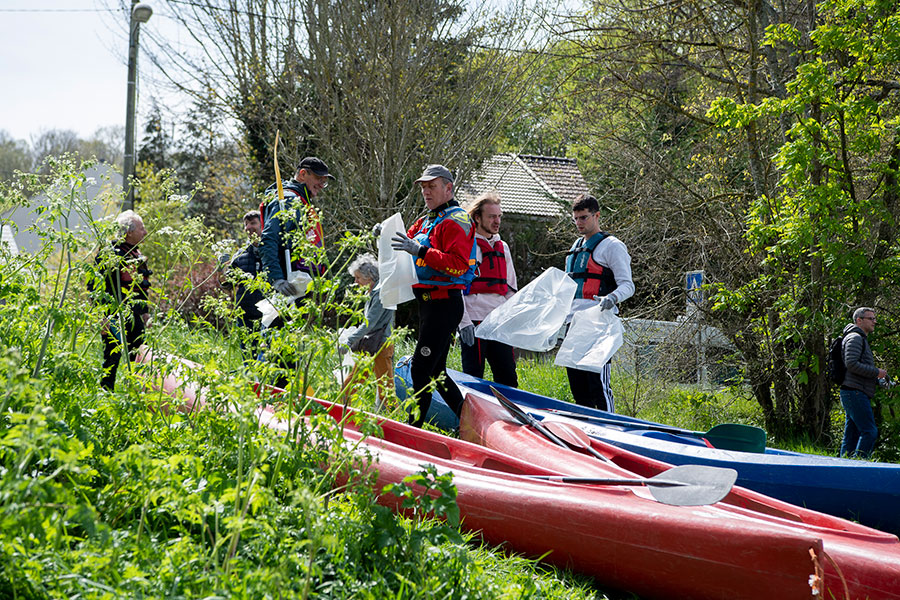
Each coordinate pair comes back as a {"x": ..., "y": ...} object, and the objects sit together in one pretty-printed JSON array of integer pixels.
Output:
[
  {"x": 112, "y": 346},
  {"x": 500, "y": 356},
  {"x": 591, "y": 389},
  {"x": 438, "y": 319}
]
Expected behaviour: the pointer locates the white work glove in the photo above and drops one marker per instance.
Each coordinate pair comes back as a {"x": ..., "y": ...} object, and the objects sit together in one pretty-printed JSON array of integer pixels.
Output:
[
  {"x": 376, "y": 229},
  {"x": 467, "y": 335},
  {"x": 285, "y": 287},
  {"x": 606, "y": 302},
  {"x": 401, "y": 242}
]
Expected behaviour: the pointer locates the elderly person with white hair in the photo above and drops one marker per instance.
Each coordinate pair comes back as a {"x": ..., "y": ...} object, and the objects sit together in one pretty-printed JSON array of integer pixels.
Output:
[
  {"x": 372, "y": 334},
  {"x": 126, "y": 283}
]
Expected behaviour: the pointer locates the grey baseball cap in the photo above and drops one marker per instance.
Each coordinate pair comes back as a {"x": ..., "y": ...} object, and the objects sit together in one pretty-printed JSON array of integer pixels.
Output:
[{"x": 435, "y": 171}]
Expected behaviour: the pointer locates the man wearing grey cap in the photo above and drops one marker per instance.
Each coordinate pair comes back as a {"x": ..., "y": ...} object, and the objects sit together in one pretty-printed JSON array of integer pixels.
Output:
[
  {"x": 443, "y": 245},
  {"x": 281, "y": 218}
]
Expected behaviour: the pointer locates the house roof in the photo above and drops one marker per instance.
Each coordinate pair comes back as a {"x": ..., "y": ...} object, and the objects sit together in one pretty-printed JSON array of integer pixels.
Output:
[{"x": 542, "y": 186}]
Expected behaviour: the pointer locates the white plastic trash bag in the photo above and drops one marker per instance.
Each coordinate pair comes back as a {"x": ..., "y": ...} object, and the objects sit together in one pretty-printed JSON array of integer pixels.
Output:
[
  {"x": 268, "y": 310},
  {"x": 594, "y": 337},
  {"x": 396, "y": 270},
  {"x": 347, "y": 360},
  {"x": 300, "y": 279},
  {"x": 532, "y": 317}
]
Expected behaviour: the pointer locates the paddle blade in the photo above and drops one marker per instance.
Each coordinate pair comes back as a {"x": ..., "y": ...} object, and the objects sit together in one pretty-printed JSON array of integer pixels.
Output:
[
  {"x": 704, "y": 485},
  {"x": 734, "y": 436}
]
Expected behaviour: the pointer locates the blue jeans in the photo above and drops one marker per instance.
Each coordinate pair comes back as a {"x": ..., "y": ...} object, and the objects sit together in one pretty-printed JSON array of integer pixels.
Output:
[{"x": 860, "y": 430}]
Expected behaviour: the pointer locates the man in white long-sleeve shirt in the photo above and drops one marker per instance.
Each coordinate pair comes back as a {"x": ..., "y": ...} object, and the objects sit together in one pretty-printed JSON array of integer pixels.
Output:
[
  {"x": 495, "y": 281},
  {"x": 601, "y": 266}
]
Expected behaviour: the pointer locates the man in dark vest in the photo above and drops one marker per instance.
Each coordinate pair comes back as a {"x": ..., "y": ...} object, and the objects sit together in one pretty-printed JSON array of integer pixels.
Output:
[
  {"x": 601, "y": 266},
  {"x": 443, "y": 246},
  {"x": 280, "y": 219},
  {"x": 495, "y": 281},
  {"x": 249, "y": 262},
  {"x": 859, "y": 385},
  {"x": 125, "y": 294}
]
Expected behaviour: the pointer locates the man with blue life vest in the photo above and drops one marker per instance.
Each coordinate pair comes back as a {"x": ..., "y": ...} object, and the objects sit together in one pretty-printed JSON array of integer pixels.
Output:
[
  {"x": 494, "y": 283},
  {"x": 282, "y": 218},
  {"x": 443, "y": 245},
  {"x": 601, "y": 266}
]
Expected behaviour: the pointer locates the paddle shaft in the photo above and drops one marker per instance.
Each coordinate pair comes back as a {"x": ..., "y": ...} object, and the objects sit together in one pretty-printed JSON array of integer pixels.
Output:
[{"x": 607, "y": 481}]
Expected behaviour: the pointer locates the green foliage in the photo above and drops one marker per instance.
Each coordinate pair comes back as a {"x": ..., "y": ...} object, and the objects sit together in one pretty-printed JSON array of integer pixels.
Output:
[{"x": 134, "y": 494}]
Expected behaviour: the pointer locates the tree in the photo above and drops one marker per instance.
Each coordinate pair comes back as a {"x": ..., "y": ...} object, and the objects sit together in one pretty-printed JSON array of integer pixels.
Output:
[
  {"x": 15, "y": 155},
  {"x": 54, "y": 142},
  {"x": 755, "y": 141},
  {"x": 156, "y": 145},
  {"x": 375, "y": 89}
]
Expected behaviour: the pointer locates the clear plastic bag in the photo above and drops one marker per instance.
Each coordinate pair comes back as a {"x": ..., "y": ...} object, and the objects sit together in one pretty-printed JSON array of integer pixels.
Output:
[
  {"x": 594, "y": 337},
  {"x": 396, "y": 270},
  {"x": 532, "y": 318}
]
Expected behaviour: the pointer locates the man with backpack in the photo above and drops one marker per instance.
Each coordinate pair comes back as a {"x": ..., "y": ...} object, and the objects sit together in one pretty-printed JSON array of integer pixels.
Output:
[
  {"x": 858, "y": 385},
  {"x": 282, "y": 218}
]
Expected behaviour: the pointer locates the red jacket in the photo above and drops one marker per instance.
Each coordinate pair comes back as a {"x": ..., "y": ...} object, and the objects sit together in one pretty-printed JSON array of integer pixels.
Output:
[{"x": 451, "y": 248}]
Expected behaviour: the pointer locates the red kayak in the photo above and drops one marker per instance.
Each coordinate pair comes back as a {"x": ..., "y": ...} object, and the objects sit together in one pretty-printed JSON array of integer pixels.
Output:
[
  {"x": 860, "y": 562},
  {"x": 620, "y": 535}
]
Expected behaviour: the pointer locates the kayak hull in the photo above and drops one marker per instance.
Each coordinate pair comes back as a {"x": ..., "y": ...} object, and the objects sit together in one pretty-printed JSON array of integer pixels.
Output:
[
  {"x": 863, "y": 491},
  {"x": 866, "y": 560},
  {"x": 619, "y": 535}
]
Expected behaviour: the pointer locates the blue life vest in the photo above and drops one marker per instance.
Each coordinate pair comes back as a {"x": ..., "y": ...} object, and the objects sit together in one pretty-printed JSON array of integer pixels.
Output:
[
  {"x": 426, "y": 274},
  {"x": 592, "y": 278}
]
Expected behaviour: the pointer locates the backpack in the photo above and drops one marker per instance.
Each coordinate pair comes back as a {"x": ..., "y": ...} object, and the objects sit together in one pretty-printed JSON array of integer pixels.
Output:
[{"x": 836, "y": 367}]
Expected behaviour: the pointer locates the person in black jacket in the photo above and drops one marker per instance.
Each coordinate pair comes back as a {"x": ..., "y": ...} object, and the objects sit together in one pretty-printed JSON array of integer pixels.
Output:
[
  {"x": 125, "y": 293},
  {"x": 859, "y": 385},
  {"x": 250, "y": 263}
]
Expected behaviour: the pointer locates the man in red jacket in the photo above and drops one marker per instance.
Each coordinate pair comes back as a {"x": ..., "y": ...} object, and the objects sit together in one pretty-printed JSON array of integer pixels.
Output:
[{"x": 443, "y": 244}]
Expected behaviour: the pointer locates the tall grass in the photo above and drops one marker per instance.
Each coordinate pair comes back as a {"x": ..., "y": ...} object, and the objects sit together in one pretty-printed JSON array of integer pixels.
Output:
[{"x": 114, "y": 495}]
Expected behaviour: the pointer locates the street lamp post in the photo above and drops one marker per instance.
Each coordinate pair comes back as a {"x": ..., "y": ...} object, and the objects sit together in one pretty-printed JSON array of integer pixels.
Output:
[{"x": 140, "y": 13}]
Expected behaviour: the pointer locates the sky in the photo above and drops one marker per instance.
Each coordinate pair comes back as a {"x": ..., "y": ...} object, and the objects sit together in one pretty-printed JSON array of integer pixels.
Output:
[{"x": 63, "y": 65}]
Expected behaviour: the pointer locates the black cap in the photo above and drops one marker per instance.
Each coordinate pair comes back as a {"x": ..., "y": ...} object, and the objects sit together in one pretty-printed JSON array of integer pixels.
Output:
[{"x": 316, "y": 165}]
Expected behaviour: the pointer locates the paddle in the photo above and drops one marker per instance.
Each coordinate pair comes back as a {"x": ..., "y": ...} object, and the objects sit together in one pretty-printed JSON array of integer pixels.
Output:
[
  {"x": 726, "y": 436},
  {"x": 574, "y": 437},
  {"x": 686, "y": 485},
  {"x": 700, "y": 485}
]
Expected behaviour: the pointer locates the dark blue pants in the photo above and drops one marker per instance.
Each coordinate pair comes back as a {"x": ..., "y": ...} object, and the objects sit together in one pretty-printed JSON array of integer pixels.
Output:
[
  {"x": 497, "y": 354},
  {"x": 860, "y": 430}
]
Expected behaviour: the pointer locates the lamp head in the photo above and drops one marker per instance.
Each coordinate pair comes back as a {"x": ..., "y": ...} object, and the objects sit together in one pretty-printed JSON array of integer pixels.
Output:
[{"x": 141, "y": 12}]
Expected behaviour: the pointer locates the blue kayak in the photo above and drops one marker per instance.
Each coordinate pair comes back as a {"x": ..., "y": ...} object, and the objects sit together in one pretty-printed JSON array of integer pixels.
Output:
[{"x": 864, "y": 491}]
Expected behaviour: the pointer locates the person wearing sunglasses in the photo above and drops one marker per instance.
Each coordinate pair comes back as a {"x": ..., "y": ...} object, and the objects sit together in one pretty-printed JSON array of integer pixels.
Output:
[
  {"x": 282, "y": 218},
  {"x": 858, "y": 387}
]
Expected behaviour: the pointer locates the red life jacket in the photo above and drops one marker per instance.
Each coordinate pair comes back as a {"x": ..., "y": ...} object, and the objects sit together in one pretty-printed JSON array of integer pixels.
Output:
[
  {"x": 491, "y": 276},
  {"x": 593, "y": 279}
]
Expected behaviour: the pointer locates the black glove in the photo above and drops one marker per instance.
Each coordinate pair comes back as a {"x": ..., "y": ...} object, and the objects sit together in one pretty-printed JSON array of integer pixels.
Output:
[{"x": 467, "y": 335}]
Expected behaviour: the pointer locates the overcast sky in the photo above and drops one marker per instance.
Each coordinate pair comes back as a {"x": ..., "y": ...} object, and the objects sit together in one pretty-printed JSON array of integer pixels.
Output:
[{"x": 63, "y": 66}]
